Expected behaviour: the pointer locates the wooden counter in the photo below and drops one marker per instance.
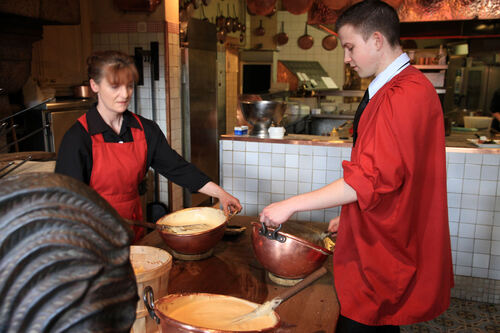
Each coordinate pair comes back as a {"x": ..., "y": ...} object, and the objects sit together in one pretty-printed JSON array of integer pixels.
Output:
[{"x": 233, "y": 270}]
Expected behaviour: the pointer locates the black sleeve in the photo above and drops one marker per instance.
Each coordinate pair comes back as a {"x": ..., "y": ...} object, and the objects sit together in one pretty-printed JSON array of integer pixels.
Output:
[
  {"x": 168, "y": 162},
  {"x": 75, "y": 154}
]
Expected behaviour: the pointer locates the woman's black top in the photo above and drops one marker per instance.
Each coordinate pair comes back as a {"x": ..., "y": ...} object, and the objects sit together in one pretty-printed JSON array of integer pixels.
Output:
[{"x": 75, "y": 152}]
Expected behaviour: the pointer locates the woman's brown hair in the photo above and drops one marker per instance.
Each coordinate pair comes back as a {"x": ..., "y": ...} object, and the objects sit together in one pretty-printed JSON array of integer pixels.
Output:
[{"x": 116, "y": 66}]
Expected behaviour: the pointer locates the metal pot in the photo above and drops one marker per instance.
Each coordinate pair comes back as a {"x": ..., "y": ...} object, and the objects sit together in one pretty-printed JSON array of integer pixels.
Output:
[
  {"x": 305, "y": 41},
  {"x": 196, "y": 242},
  {"x": 83, "y": 91},
  {"x": 329, "y": 42},
  {"x": 297, "y": 7},
  {"x": 168, "y": 324},
  {"x": 260, "y": 31},
  {"x": 282, "y": 37},
  {"x": 286, "y": 255}
]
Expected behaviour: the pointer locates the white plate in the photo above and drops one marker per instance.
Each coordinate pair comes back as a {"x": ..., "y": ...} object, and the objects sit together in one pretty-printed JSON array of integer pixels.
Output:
[{"x": 485, "y": 145}]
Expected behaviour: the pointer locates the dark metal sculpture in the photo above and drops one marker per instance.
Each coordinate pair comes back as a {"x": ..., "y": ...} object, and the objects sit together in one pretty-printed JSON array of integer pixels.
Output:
[{"x": 64, "y": 258}]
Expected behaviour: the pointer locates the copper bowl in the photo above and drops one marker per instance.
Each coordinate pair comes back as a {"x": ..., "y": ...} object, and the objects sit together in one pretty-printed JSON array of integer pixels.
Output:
[
  {"x": 168, "y": 324},
  {"x": 285, "y": 255},
  {"x": 195, "y": 242}
]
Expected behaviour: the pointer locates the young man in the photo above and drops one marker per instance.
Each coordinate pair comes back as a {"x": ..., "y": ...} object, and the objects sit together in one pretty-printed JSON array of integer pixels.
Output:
[{"x": 392, "y": 262}]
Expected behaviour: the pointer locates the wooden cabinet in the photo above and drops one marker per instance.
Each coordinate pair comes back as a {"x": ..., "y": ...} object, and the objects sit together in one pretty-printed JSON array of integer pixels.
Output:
[{"x": 59, "y": 59}]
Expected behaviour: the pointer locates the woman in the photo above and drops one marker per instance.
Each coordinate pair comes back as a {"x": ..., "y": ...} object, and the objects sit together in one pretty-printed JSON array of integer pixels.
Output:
[{"x": 110, "y": 148}]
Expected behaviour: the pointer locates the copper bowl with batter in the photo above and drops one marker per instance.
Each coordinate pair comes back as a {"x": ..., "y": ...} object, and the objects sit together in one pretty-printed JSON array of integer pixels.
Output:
[
  {"x": 285, "y": 255},
  {"x": 197, "y": 241},
  {"x": 163, "y": 311}
]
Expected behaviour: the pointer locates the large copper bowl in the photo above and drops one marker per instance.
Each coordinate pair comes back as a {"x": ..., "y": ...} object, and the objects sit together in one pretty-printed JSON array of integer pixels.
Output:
[
  {"x": 285, "y": 255},
  {"x": 195, "y": 242},
  {"x": 168, "y": 324}
]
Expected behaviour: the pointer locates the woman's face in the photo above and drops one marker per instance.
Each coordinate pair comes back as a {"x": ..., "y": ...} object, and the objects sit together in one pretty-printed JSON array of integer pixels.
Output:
[{"x": 113, "y": 97}]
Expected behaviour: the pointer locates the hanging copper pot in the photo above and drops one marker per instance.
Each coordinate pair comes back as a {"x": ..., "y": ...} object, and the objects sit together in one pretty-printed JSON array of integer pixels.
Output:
[
  {"x": 305, "y": 41},
  {"x": 272, "y": 13},
  {"x": 236, "y": 21},
  {"x": 260, "y": 31},
  {"x": 243, "y": 27},
  {"x": 329, "y": 42},
  {"x": 297, "y": 7},
  {"x": 220, "y": 20},
  {"x": 228, "y": 24},
  {"x": 337, "y": 4},
  {"x": 261, "y": 7},
  {"x": 282, "y": 37},
  {"x": 242, "y": 37}
]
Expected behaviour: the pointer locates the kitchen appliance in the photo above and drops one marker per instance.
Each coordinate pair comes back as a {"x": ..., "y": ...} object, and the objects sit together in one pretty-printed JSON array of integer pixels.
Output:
[
  {"x": 59, "y": 116},
  {"x": 202, "y": 120},
  {"x": 261, "y": 114},
  {"x": 286, "y": 257}
]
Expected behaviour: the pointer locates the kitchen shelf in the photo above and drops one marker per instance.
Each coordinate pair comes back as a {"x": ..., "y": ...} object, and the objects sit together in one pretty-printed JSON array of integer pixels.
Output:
[
  {"x": 430, "y": 67},
  {"x": 344, "y": 93}
]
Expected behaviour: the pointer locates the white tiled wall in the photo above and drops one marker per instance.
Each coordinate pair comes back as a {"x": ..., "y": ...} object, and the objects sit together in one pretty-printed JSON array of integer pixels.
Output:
[{"x": 261, "y": 173}]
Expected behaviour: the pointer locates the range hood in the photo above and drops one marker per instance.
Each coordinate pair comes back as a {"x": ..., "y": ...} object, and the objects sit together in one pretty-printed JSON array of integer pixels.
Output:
[{"x": 451, "y": 29}]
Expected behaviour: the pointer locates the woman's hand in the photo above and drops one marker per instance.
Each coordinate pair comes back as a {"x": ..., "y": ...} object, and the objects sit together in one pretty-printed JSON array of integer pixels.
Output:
[
  {"x": 230, "y": 204},
  {"x": 277, "y": 213},
  {"x": 333, "y": 226}
]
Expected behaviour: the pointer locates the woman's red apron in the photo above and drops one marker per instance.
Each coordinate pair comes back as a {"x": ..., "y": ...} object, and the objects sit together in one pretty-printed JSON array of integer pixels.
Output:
[{"x": 117, "y": 170}]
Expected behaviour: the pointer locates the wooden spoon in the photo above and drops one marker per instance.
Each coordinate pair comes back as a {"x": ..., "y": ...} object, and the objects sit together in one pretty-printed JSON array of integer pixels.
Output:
[{"x": 269, "y": 306}]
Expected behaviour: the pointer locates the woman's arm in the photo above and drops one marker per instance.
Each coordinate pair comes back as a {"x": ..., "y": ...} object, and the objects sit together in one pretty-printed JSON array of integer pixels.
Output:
[{"x": 228, "y": 202}]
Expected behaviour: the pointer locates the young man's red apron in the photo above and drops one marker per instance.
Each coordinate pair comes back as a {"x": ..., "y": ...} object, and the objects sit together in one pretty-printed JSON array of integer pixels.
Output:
[{"x": 117, "y": 170}]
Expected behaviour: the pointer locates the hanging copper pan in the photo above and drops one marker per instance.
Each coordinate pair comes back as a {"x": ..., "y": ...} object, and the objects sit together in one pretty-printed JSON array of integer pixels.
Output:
[
  {"x": 282, "y": 37},
  {"x": 297, "y": 7},
  {"x": 329, "y": 42},
  {"x": 305, "y": 41},
  {"x": 260, "y": 31}
]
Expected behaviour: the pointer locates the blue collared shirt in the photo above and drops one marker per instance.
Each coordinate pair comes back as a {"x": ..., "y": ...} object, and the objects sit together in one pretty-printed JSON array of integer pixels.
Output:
[{"x": 387, "y": 74}]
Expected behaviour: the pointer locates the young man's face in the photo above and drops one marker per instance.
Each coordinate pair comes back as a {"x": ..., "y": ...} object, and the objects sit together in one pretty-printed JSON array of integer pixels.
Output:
[{"x": 361, "y": 55}]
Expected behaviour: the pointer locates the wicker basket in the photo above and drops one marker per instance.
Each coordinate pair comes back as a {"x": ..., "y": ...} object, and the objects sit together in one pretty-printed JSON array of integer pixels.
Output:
[{"x": 152, "y": 268}]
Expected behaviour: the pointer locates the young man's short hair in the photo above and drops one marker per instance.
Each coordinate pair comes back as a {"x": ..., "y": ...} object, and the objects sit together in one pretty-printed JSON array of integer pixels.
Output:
[{"x": 372, "y": 15}]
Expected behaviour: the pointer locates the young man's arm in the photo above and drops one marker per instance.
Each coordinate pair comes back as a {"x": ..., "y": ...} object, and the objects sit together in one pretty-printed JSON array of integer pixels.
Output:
[{"x": 332, "y": 195}]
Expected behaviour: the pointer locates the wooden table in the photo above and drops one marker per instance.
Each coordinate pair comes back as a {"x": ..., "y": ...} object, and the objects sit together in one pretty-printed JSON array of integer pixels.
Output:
[{"x": 233, "y": 270}]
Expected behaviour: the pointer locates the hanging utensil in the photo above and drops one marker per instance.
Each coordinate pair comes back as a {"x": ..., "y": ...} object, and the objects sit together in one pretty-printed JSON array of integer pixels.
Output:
[
  {"x": 260, "y": 31},
  {"x": 220, "y": 20},
  {"x": 282, "y": 37},
  {"x": 228, "y": 24},
  {"x": 305, "y": 41},
  {"x": 329, "y": 42},
  {"x": 236, "y": 21},
  {"x": 204, "y": 18},
  {"x": 221, "y": 36},
  {"x": 269, "y": 306},
  {"x": 297, "y": 7}
]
